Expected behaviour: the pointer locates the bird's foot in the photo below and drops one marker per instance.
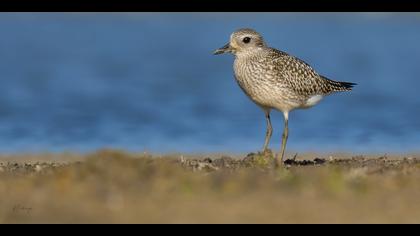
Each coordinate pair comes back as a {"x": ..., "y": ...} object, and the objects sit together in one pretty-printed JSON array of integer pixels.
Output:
[{"x": 279, "y": 161}]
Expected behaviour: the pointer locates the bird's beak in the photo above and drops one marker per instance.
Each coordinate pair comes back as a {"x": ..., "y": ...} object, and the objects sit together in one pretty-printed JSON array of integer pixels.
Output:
[{"x": 224, "y": 49}]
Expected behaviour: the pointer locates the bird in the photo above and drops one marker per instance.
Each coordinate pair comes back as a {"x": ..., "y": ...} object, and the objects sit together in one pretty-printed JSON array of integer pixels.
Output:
[{"x": 276, "y": 80}]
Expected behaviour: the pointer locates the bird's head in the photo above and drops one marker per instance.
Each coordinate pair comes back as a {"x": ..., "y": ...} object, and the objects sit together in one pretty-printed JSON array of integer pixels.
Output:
[{"x": 242, "y": 40}]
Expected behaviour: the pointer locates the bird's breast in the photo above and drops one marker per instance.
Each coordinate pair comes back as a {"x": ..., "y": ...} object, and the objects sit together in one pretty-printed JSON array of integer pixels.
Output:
[
  {"x": 256, "y": 83},
  {"x": 263, "y": 86}
]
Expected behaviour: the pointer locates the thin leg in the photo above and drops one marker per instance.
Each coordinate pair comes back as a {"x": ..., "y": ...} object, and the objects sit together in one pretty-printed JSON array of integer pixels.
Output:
[
  {"x": 280, "y": 157},
  {"x": 269, "y": 131}
]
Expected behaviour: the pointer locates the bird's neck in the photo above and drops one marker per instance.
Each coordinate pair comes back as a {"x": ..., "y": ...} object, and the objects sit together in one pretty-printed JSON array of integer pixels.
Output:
[{"x": 250, "y": 54}]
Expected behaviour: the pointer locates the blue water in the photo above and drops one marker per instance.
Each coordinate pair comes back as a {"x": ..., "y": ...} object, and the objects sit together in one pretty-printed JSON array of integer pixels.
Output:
[{"x": 149, "y": 82}]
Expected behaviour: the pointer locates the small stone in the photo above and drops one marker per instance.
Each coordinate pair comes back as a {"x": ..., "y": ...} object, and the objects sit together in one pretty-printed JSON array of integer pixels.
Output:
[
  {"x": 249, "y": 158},
  {"x": 319, "y": 161},
  {"x": 251, "y": 154},
  {"x": 206, "y": 166},
  {"x": 38, "y": 168},
  {"x": 408, "y": 159},
  {"x": 207, "y": 160},
  {"x": 224, "y": 162},
  {"x": 306, "y": 162},
  {"x": 289, "y": 162}
]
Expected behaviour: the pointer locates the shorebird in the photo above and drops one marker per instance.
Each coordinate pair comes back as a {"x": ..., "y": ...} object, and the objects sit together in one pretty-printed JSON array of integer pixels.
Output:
[{"x": 276, "y": 80}]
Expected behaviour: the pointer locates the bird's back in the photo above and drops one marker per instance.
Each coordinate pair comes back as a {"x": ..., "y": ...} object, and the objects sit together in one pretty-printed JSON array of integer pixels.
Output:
[{"x": 276, "y": 79}]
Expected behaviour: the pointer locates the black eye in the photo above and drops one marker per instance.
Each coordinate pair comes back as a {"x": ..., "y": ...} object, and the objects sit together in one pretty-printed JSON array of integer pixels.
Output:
[{"x": 246, "y": 40}]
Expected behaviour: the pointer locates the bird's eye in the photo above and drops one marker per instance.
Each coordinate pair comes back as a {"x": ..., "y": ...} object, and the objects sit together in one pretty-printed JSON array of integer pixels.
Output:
[{"x": 246, "y": 40}]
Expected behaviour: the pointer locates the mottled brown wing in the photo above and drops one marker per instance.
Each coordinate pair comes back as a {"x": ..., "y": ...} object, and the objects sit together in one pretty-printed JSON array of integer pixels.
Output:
[
  {"x": 302, "y": 78},
  {"x": 299, "y": 76}
]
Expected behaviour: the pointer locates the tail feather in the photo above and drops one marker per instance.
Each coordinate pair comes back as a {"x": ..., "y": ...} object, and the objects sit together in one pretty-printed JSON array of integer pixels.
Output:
[{"x": 336, "y": 86}]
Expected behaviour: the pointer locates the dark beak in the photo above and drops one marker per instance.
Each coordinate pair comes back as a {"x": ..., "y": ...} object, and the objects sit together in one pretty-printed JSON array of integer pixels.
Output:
[{"x": 223, "y": 49}]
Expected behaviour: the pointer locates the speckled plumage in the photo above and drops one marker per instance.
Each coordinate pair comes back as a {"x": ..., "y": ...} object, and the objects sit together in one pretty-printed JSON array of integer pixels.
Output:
[{"x": 274, "y": 79}]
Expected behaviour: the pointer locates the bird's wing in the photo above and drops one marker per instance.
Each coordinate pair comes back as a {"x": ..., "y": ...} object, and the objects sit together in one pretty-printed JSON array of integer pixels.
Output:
[{"x": 297, "y": 75}]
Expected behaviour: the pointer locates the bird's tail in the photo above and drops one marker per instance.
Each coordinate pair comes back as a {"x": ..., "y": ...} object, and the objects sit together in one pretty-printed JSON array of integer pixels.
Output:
[{"x": 336, "y": 86}]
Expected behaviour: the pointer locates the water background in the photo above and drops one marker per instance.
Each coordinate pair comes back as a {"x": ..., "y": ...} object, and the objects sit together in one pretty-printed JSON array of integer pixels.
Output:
[{"x": 149, "y": 82}]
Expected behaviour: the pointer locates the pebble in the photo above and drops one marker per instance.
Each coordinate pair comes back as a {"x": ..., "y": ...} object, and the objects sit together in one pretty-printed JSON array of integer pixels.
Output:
[{"x": 38, "y": 168}]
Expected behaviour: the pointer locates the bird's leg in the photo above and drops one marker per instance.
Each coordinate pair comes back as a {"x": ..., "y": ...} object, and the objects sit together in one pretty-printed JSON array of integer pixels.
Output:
[
  {"x": 268, "y": 132},
  {"x": 279, "y": 159}
]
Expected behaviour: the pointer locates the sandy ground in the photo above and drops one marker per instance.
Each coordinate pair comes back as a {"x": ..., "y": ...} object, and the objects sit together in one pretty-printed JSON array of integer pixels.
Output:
[{"x": 111, "y": 186}]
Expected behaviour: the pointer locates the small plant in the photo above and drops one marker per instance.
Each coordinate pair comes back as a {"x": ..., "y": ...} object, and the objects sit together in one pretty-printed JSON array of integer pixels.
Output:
[{"x": 263, "y": 159}]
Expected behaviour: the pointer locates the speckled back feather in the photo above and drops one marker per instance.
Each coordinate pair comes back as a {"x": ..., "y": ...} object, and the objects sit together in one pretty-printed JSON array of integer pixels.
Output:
[{"x": 301, "y": 77}]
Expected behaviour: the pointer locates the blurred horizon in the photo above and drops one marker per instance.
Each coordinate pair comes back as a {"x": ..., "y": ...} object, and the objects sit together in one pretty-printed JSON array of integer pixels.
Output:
[{"x": 149, "y": 82}]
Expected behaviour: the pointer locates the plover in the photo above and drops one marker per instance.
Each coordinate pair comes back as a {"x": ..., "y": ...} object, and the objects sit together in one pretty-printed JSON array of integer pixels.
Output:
[{"x": 276, "y": 80}]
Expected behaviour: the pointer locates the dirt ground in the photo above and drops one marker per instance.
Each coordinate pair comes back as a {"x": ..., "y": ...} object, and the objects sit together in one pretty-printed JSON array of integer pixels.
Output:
[{"x": 112, "y": 186}]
